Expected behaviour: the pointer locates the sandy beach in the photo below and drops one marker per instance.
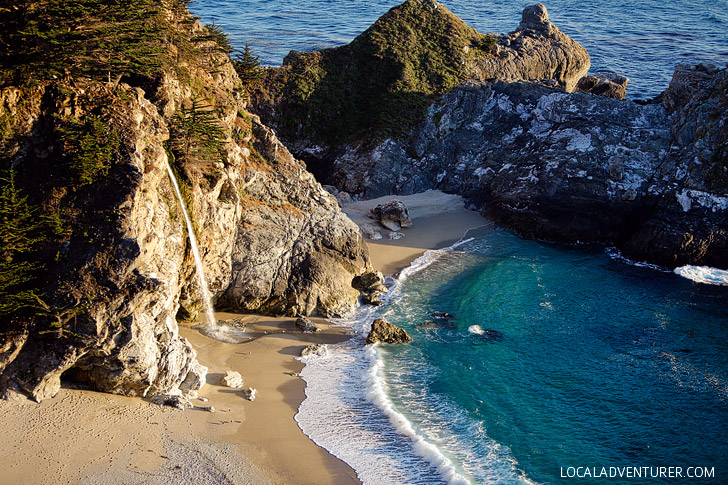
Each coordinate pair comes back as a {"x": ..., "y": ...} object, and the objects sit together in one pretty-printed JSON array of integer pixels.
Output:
[{"x": 86, "y": 437}]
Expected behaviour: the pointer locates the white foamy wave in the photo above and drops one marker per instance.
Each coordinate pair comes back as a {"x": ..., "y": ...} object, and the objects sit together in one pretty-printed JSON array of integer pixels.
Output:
[
  {"x": 704, "y": 274},
  {"x": 429, "y": 257},
  {"x": 476, "y": 330},
  {"x": 616, "y": 255},
  {"x": 338, "y": 418},
  {"x": 377, "y": 395}
]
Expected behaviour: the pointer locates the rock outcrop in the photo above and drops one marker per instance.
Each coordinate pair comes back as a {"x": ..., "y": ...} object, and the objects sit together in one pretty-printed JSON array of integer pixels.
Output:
[
  {"x": 306, "y": 325},
  {"x": 380, "y": 84},
  {"x": 604, "y": 83},
  {"x": 89, "y": 151},
  {"x": 573, "y": 167},
  {"x": 393, "y": 215},
  {"x": 536, "y": 50},
  {"x": 385, "y": 332}
]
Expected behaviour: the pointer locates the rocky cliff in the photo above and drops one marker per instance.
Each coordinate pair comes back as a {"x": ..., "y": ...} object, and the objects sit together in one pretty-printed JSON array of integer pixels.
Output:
[
  {"x": 96, "y": 262},
  {"x": 573, "y": 167}
]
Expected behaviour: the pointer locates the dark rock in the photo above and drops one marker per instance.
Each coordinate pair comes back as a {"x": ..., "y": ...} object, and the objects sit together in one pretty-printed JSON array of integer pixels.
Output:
[
  {"x": 371, "y": 285},
  {"x": 306, "y": 325},
  {"x": 649, "y": 178},
  {"x": 439, "y": 315},
  {"x": 604, "y": 83},
  {"x": 387, "y": 333},
  {"x": 393, "y": 215}
]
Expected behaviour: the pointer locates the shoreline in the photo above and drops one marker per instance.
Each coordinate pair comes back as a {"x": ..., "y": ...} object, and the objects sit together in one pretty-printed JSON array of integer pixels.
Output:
[{"x": 119, "y": 439}]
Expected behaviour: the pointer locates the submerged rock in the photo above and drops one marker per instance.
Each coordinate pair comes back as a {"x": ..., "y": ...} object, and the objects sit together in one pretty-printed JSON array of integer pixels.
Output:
[{"x": 385, "y": 332}]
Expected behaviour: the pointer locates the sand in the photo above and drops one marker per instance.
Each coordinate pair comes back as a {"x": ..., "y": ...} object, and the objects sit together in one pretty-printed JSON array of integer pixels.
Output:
[{"x": 93, "y": 438}]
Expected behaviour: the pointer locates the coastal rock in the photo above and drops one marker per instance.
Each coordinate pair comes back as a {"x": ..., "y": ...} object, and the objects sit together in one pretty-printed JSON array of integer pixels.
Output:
[
  {"x": 650, "y": 178},
  {"x": 393, "y": 235},
  {"x": 385, "y": 332},
  {"x": 604, "y": 83},
  {"x": 233, "y": 380},
  {"x": 438, "y": 52},
  {"x": 371, "y": 285},
  {"x": 250, "y": 394},
  {"x": 306, "y": 325},
  {"x": 172, "y": 400},
  {"x": 314, "y": 349},
  {"x": 371, "y": 231},
  {"x": 393, "y": 215}
]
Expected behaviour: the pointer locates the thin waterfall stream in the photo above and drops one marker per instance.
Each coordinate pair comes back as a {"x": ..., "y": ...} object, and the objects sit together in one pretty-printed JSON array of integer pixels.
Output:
[{"x": 206, "y": 298}]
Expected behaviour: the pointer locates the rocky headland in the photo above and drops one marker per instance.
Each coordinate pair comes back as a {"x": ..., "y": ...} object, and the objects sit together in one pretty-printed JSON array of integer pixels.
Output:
[
  {"x": 96, "y": 259},
  {"x": 588, "y": 166}
]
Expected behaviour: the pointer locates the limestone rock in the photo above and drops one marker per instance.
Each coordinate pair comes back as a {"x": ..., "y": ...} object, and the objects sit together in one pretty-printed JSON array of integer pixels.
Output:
[
  {"x": 306, "y": 325},
  {"x": 604, "y": 83},
  {"x": 393, "y": 235},
  {"x": 393, "y": 215},
  {"x": 233, "y": 380},
  {"x": 385, "y": 332}
]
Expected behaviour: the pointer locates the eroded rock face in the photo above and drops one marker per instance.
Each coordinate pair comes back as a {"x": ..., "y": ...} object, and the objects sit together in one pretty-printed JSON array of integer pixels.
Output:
[
  {"x": 573, "y": 167},
  {"x": 385, "y": 332}
]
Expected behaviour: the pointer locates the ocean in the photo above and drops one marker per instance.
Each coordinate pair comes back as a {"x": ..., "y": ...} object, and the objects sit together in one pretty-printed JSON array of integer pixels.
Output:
[{"x": 555, "y": 364}]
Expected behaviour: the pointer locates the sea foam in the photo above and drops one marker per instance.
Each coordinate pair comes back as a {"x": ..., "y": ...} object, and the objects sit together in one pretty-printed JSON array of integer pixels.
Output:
[{"x": 704, "y": 274}]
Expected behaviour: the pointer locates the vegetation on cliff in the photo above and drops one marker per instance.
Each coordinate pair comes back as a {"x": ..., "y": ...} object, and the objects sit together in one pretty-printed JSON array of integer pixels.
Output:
[{"x": 380, "y": 84}]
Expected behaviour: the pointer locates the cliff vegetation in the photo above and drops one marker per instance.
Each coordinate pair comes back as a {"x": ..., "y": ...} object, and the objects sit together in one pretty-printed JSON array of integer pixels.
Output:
[{"x": 381, "y": 83}]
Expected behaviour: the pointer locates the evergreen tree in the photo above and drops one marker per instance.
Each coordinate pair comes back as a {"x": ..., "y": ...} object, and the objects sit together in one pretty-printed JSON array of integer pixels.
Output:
[
  {"x": 247, "y": 66},
  {"x": 197, "y": 134},
  {"x": 20, "y": 234}
]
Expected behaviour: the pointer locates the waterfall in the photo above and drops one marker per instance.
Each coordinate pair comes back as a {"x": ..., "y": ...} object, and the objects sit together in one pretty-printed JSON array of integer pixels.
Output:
[{"x": 206, "y": 299}]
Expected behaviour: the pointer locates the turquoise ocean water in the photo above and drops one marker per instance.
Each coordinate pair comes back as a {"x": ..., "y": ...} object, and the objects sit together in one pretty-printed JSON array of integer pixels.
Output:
[{"x": 554, "y": 358}]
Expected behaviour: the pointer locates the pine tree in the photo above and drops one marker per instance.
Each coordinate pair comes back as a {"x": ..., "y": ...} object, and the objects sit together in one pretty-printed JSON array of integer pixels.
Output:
[
  {"x": 197, "y": 134},
  {"x": 247, "y": 66},
  {"x": 20, "y": 234}
]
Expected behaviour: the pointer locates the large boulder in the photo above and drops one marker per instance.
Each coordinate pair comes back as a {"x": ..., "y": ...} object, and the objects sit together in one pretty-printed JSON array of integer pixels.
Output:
[
  {"x": 393, "y": 215},
  {"x": 385, "y": 332}
]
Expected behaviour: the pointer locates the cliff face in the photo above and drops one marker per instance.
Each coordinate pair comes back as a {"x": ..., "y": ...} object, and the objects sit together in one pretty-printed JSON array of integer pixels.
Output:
[
  {"x": 107, "y": 268},
  {"x": 573, "y": 167}
]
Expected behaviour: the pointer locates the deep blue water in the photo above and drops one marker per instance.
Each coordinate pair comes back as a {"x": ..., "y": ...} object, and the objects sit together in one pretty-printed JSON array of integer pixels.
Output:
[
  {"x": 641, "y": 39},
  {"x": 585, "y": 361}
]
